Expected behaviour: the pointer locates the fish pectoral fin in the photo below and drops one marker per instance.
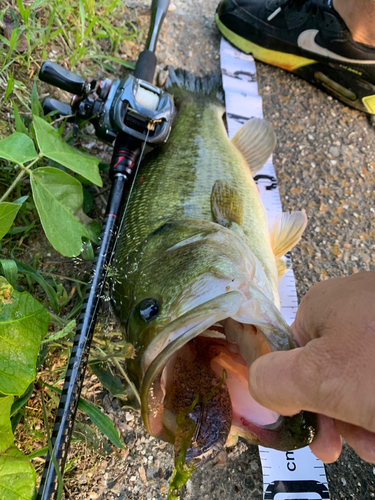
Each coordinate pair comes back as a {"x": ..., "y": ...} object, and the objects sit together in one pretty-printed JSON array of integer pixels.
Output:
[
  {"x": 285, "y": 232},
  {"x": 256, "y": 140},
  {"x": 283, "y": 266},
  {"x": 226, "y": 204}
]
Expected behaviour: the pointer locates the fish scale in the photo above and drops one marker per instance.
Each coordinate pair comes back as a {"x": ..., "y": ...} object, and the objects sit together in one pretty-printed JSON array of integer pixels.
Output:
[{"x": 176, "y": 182}]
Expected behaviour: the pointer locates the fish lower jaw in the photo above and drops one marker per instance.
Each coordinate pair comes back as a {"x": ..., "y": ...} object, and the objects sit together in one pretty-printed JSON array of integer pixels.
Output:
[
  {"x": 197, "y": 370},
  {"x": 202, "y": 391}
]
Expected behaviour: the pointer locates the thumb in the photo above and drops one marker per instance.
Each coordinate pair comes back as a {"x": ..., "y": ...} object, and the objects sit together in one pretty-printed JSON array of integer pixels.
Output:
[{"x": 272, "y": 382}]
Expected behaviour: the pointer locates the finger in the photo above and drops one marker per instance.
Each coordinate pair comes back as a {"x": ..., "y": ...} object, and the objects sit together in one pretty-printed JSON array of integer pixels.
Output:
[
  {"x": 321, "y": 378},
  {"x": 290, "y": 381},
  {"x": 327, "y": 443},
  {"x": 308, "y": 323},
  {"x": 361, "y": 440},
  {"x": 332, "y": 303},
  {"x": 272, "y": 382}
]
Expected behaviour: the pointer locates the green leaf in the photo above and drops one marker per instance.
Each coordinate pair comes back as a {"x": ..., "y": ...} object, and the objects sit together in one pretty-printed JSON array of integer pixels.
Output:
[
  {"x": 112, "y": 383},
  {"x": 23, "y": 325},
  {"x": 21, "y": 8},
  {"x": 17, "y": 476},
  {"x": 4, "y": 40},
  {"x": 55, "y": 148},
  {"x": 17, "y": 148},
  {"x": 93, "y": 227},
  {"x": 42, "y": 452},
  {"x": 9, "y": 270},
  {"x": 13, "y": 42},
  {"x": 22, "y": 400},
  {"x": 62, "y": 295},
  {"x": 58, "y": 198},
  {"x": 16, "y": 420},
  {"x": 20, "y": 126},
  {"x": 21, "y": 200},
  {"x": 38, "y": 3},
  {"x": 102, "y": 422},
  {"x": 87, "y": 250},
  {"x": 88, "y": 201},
  {"x": 82, "y": 16},
  {"x": 117, "y": 60},
  {"x": 91, "y": 438},
  {"x": 109, "y": 67},
  {"x": 41, "y": 357},
  {"x": 97, "y": 417},
  {"x": 10, "y": 85},
  {"x": 69, "y": 328},
  {"x": 6, "y": 434},
  {"x": 21, "y": 229},
  {"x": 36, "y": 107},
  {"x": 50, "y": 292},
  {"x": 8, "y": 212}
]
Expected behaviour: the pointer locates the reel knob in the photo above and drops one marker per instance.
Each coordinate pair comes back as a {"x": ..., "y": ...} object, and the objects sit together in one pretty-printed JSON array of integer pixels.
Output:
[{"x": 62, "y": 78}]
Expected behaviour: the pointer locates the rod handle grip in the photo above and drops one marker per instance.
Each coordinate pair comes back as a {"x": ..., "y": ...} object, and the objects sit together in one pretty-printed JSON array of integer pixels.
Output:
[{"x": 146, "y": 65}]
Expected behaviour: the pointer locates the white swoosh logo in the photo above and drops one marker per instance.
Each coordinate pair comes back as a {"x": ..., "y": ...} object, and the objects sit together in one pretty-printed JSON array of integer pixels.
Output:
[{"x": 306, "y": 40}]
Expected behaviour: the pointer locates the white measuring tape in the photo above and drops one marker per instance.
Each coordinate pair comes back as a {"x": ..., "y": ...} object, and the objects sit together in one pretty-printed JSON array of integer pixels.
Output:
[{"x": 295, "y": 474}]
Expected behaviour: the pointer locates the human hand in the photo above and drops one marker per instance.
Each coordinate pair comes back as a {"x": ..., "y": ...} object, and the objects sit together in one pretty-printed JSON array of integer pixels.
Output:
[{"x": 332, "y": 373}]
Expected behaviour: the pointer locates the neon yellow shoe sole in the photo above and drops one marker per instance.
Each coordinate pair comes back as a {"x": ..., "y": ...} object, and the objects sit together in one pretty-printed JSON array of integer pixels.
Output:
[
  {"x": 335, "y": 81},
  {"x": 289, "y": 62}
]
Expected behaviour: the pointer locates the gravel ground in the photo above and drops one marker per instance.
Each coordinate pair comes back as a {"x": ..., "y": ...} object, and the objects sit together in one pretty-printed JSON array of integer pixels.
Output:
[{"x": 325, "y": 163}]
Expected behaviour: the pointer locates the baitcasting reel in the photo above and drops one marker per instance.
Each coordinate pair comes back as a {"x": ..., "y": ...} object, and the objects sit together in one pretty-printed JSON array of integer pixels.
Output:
[{"x": 131, "y": 105}]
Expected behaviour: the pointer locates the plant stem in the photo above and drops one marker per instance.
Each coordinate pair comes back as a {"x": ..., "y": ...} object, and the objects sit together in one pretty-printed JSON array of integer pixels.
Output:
[
  {"x": 13, "y": 185},
  {"x": 125, "y": 375},
  {"x": 63, "y": 277},
  {"x": 19, "y": 177}
]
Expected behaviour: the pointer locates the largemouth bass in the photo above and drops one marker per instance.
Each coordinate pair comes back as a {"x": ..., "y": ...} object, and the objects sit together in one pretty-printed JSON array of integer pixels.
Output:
[{"x": 196, "y": 270}]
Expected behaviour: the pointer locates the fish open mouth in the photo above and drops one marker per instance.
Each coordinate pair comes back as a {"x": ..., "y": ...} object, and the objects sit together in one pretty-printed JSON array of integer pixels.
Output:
[{"x": 201, "y": 372}]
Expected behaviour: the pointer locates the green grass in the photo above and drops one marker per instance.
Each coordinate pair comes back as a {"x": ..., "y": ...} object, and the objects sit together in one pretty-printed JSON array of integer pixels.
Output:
[
  {"x": 71, "y": 31},
  {"x": 86, "y": 36},
  {"x": 91, "y": 38}
]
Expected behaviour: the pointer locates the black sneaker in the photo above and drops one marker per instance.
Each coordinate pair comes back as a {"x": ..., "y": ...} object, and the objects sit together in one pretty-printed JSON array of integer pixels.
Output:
[{"x": 306, "y": 37}]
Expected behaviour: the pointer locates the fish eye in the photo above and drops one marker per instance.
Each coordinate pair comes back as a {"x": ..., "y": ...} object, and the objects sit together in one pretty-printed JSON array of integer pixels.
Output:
[{"x": 148, "y": 309}]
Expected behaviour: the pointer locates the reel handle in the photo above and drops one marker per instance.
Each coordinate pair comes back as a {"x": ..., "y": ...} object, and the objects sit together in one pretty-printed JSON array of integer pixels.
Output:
[
  {"x": 49, "y": 104},
  {"x": 62, "y": 78}
]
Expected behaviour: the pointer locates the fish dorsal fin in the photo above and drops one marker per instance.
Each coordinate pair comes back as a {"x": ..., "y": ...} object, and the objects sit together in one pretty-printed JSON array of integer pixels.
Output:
[
  {"x": 285, "y": 231},
  {"x": 256, "y": 140},
  {"x": 226, "y": 204}
]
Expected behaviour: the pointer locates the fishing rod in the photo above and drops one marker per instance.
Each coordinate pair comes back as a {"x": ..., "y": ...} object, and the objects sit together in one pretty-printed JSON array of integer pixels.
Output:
[{"x": 131, "y": 112}]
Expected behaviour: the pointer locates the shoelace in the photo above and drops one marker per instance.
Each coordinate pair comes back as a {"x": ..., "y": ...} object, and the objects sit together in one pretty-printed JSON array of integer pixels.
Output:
[{"x": 298, "y": 4}]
